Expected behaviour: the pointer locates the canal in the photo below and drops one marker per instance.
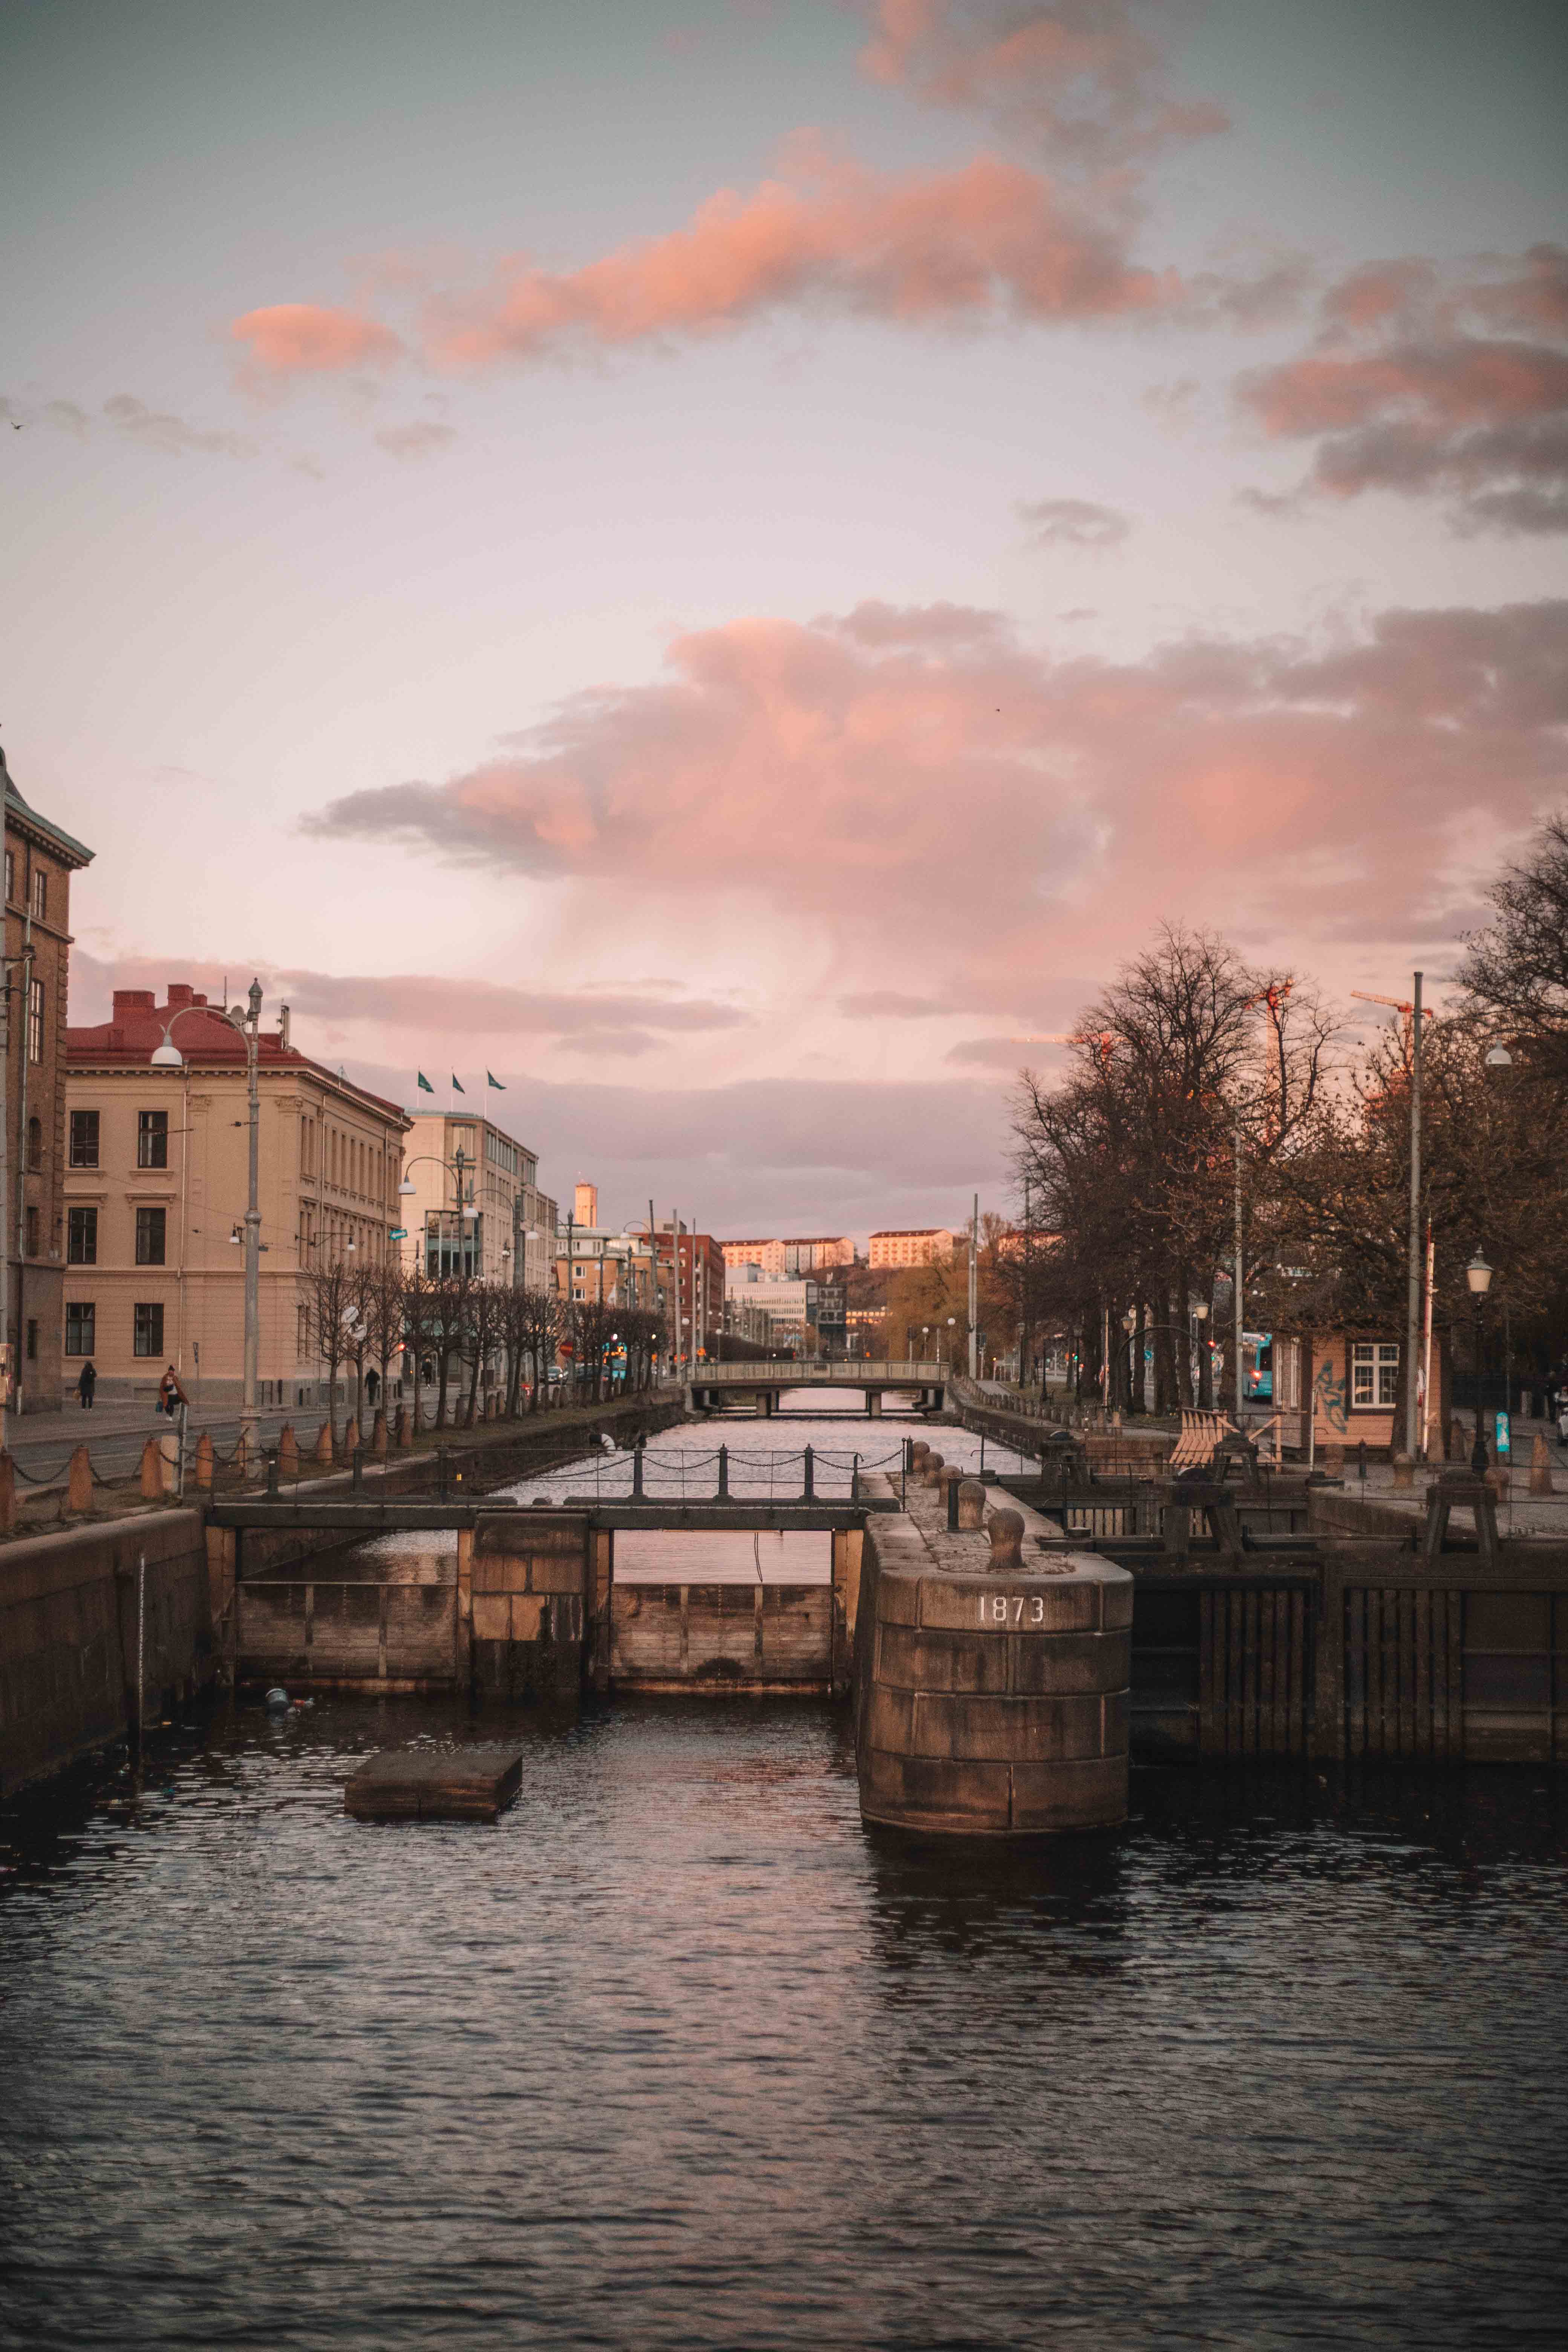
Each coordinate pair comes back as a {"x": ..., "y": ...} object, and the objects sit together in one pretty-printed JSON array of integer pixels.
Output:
[{"x": 677, "y": 2055}]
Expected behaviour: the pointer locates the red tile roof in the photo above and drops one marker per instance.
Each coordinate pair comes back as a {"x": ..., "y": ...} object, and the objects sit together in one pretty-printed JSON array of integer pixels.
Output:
[{"x": 139, "y": 1023}]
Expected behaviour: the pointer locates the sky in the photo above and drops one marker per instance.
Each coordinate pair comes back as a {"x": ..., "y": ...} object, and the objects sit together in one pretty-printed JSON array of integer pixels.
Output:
[{"x": 727, "y": 563}]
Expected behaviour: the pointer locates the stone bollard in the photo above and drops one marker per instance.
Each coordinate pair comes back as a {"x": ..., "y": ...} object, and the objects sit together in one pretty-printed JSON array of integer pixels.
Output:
[
  {"x": 1404, "y": 1471},
  {"x": 1006, "y": 1530},
  {"x": 378, "y": 1437},
  {"x": 204, "y": 1462},
  {"x": 78, "y": 1484},
  {"x": 930, "y": 1469},
  {"x": 152, "y": 1471},
  {"x": 7, "y": 1494},
  {"x": 324, "y": 1444},
  {"x": 1540, "y": 1467},
  {"x": 288, "y": 1453},
  {"x": 404, "y": 1429},
  {"x": 970, "y": 1506},
  {"x": 919, "y": 1448},
  {"x": 351, "y": 1441},
  {"x": 242, "y": 1454}
]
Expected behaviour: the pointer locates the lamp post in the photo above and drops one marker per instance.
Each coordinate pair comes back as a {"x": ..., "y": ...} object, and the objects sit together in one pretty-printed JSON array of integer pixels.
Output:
[
  {"x": 246, "y": 1022},
  {"x": 454, "y": 1167},
  {"x": 1479, "y": 1275}
]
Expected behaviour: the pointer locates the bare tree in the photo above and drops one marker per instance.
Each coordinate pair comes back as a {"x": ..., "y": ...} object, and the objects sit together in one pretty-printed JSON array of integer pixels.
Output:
[
  {"x": 329, "y": 1290},
  {"x": 419, "y": 1303}
]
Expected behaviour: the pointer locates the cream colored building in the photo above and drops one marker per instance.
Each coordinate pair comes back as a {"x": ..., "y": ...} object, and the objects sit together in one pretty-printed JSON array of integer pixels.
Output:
[
  {"x": 500, "y": 1184},
  {"x": 910, "y": 1245},
  {"x": 157, "y": 1181}
]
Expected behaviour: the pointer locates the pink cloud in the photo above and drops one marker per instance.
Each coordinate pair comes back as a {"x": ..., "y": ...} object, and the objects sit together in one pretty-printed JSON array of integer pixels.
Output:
[
  {"x": 964, "y": 811},
  {"x": 1082, "y": 77},
  {"x": 308, "y": 339},
  {"x": 987, "y": 241},
  {"x": 1400, "y": 392}
]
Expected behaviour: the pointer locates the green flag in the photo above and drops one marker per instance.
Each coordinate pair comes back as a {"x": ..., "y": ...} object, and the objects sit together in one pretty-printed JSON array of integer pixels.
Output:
[
  {"x": 492, "y": 1079},
  {"x": 424, "y": 1085},
  {"x": 458, "y": 1086}
]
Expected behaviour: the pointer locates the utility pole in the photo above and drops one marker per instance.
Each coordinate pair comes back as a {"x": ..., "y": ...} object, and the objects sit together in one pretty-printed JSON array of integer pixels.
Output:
[
  {"x": 1238, "y": 1286},
  {"x": 252, "y": 1222},
  {"x": 5, "y": 1233},
  {"x": 975, "y": 1290},
  {"x": 1413, "y": 1310}
]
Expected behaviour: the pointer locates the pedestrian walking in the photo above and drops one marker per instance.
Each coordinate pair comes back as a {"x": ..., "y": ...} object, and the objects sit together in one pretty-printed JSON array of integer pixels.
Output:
[
  {"x": 86, "y": 1383},
  {"x": 371, "y": 1388},
  {"x": 170, "y": 1395}
]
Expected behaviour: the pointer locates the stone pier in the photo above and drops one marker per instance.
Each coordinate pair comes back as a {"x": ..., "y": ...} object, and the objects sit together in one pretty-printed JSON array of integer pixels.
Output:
[{"x": 991, "y": 1677}]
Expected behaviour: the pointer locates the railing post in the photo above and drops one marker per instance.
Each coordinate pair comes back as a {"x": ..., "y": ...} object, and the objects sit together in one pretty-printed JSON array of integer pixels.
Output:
[
  {"x": 637, "y": 1472},
  {"x": 272, "y": 1473},
  {"x": 808, "y": 1465},
  {"x": 441, "y": 1468},
  {"x": 855, "y": 1480},
  {"x": 724, "y": 1474}
]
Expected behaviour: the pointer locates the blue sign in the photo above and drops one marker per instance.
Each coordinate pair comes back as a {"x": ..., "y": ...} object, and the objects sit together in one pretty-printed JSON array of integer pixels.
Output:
[
  {"x": 1504, "y": 1436},
  {"x": 399, "y": 1233}
]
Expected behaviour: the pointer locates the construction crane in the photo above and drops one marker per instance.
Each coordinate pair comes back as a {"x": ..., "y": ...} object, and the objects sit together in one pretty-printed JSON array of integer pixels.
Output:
[{"x": 1400, "y": 1004}]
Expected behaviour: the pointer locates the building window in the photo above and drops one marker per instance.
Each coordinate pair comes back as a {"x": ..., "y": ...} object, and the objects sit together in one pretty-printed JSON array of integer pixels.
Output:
[
  {"x": 32, "y": 1341},
  {"x": 303, "y": 1334},
  {"x": 10, "y": 877},
  {"x": 147, "y": 1332},
  {"x": 35, "y": 1144},
  {"x": 152, "y": 1138},
  {"x": 81, "y": 1316},
  {"x": 84, "y": 1138},
  {"x": 35, "y": 1021},
  {"x": 152, "y": 1231},
  {"x": 41, "y": 892},
  {"x": 81, "y": 1237},
  {"x": 1375, "y": 1374},
  {"x": 30, "y": 1227}
]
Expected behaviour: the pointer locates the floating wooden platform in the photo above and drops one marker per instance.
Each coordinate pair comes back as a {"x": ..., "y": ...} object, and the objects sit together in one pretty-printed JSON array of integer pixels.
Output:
[{"x": 433, "y": 1784}]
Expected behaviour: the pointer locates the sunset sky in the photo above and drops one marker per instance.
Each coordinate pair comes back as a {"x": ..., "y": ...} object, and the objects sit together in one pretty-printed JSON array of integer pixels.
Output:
[{"x": 725, "y": 560}]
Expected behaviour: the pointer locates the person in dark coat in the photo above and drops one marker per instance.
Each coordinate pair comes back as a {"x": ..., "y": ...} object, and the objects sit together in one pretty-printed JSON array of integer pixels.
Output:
[{"x": 86, "y": 1385}]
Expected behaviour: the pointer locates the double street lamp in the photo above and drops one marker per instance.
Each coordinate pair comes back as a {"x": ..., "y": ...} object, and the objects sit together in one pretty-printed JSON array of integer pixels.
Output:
[{"x": 1479, "y": 1275}]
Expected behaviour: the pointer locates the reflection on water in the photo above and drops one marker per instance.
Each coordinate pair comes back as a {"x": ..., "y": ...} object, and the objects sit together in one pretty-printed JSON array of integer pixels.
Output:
[{"x": 678, "y": 2056}]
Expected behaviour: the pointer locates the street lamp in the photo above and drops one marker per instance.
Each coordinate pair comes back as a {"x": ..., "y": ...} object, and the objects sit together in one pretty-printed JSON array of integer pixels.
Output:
[
  {"x": 1479, "y": 1275},
  {"x": 168, "y": 1056},
  {"x": 454, "y": 1167}
]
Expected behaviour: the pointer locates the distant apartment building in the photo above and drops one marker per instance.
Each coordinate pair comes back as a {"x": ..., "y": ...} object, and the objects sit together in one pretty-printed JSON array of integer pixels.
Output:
[
  {"x": 693, "y": 1271},
  {"x": 767, "y": 1254},
  {"x": 815, "y": 1252},
  {"x": 609, "y": 1269},
  {"x": 502, "y": 1227},
  {"x": 782, "y": 1310},
  {"x": 802, "y": 1253},
  {"x": 39, "y": 862},
  {"x": 156, "y": 1184},
  {"x": 910, "y": 1245}
]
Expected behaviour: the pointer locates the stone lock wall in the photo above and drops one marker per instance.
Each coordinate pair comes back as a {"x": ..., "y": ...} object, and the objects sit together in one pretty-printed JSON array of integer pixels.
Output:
[{"x": 991, "y": 1699}]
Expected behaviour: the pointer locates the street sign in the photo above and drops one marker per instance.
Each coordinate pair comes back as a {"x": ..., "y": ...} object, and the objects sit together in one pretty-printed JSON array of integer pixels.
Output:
[{"x": 399, "y": 1233}]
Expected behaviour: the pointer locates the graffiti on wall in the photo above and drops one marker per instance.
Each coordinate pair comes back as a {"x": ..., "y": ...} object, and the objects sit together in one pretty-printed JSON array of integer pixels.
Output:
[{"x": 1328, "y": 1401}]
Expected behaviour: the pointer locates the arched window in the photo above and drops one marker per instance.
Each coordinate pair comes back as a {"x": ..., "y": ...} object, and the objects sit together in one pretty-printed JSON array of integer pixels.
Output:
[{"x": 34, "y": 1143}]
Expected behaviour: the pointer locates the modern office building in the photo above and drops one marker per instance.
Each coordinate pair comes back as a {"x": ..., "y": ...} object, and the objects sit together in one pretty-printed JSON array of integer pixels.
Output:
[{"x": 502, "y": 1222}]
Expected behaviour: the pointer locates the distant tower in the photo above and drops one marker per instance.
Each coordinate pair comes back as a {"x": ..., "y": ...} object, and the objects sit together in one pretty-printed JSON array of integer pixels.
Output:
[{"x": 585, "y": 1209}]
